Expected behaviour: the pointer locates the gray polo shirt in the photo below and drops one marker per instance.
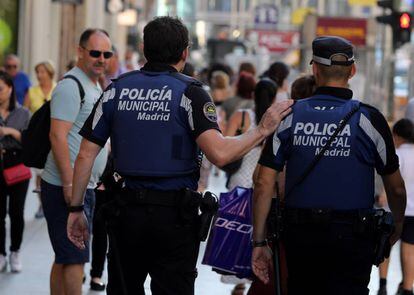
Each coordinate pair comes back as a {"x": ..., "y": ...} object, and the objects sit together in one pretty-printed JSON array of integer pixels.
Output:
[{"x": 65, "y": 105}]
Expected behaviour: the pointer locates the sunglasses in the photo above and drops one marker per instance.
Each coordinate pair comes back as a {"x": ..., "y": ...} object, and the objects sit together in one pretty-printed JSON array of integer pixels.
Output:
[
  {"x": 10, "y": 66},
  {"x": 97, "y": 53}
]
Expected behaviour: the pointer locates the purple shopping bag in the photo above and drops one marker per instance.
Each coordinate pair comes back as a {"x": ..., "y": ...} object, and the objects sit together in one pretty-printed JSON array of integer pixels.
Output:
[{"x": 229, "y": 245}]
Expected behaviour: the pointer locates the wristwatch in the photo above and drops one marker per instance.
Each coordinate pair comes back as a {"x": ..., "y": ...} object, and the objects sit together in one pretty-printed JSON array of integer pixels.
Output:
[
  {"x": 72, "y": 209},
  {"x": 259, "y": 243}
]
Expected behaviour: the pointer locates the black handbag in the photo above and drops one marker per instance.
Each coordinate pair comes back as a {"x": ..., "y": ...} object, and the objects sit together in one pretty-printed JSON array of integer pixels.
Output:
[{"x": 234, "y": 166}]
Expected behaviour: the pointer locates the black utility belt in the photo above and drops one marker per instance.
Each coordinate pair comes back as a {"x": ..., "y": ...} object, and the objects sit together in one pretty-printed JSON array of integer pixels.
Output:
[
  {"x": 315, "y": 215},
  {"x": 172, "y": 198}
]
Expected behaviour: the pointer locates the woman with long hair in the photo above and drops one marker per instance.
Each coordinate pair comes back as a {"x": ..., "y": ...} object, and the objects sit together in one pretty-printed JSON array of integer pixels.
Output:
[
  {"x": 13, "y": 119},
  {"x": 246, "y": 119}
]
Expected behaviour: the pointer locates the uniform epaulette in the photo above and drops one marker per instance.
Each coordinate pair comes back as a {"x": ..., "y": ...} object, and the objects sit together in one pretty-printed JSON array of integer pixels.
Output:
[
  {"x": 370, "y": 107},
  {"x": 186, "y": 79},
  {"x": 125, "y": 75}
]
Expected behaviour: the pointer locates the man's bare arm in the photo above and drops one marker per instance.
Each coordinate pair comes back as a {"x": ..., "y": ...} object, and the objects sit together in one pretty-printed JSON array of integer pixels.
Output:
[
  {"x": 82, "y": 171},
  {"x": 59, "y": 131},
  {"x": 264, "y": 191},
  {"x": 397, "y": 199}
]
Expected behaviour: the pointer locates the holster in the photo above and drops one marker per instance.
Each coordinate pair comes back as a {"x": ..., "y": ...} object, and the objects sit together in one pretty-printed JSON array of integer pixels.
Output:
[
  {"x": 384, "y": 229},
  {"x": 208, "y": 207}
]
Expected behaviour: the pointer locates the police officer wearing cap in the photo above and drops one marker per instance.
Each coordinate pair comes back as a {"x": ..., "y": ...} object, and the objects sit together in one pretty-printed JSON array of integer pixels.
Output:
[
  {"x": 327, "y": 230},
  {"x": 158, "y": 121}
]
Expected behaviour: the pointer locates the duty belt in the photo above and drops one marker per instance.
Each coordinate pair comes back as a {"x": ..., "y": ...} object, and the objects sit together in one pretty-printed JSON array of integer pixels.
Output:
[
  {"x": 151, "y": 197},
  {"x": 302, "y": 216}
]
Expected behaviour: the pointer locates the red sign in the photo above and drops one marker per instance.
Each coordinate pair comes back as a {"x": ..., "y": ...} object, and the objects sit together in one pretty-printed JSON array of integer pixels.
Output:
[
  {"x": 275, "y": 41},
  {"x": 352, "y": 29}
]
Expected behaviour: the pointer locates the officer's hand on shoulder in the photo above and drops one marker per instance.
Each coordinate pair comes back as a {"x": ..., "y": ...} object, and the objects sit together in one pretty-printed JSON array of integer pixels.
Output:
[{"x": 273, "y": 116}]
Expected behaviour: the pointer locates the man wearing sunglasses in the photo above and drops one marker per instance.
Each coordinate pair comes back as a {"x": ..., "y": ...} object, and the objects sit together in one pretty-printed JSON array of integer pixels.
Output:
[
  {"x": 72, "y": 102},
  {"x": 20, "y": 79}
]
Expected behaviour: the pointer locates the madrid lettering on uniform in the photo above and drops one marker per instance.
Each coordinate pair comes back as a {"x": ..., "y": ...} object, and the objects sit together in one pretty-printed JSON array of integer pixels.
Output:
[
  {"x": 151, "y": 104},
  {"x": 317, "y": 135}
]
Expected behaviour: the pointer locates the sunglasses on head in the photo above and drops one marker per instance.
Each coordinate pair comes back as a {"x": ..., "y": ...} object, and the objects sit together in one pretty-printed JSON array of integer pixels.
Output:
[{"x": 97, "y": 53}]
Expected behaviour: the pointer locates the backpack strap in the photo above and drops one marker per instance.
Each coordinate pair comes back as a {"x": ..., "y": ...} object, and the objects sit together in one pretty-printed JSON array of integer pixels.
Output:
[
  {"x": 186, "y": 79},
  {"x": 81, "y": 90}
]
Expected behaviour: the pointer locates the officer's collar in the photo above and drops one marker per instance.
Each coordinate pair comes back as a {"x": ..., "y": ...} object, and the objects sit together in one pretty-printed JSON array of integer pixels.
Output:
[
  {"x": 158, "y": 67},
  {"x": 344, "y": 93}
]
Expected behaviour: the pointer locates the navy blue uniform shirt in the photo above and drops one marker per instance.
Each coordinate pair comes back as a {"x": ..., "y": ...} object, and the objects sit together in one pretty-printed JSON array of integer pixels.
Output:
[
  {"x": 344, "y": 178},
  {"x": 189, "y": 115}
]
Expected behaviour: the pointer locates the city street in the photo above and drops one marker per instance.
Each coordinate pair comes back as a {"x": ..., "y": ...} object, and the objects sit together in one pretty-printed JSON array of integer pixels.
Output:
[{"x": 37, "y": 258}]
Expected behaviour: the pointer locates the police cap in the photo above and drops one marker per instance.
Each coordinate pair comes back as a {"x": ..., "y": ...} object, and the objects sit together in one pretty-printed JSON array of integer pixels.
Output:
[{"x": 326, "y": 47}]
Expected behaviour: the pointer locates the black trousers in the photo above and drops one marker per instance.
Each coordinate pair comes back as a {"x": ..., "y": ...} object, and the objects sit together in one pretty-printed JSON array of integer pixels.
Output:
[
  {"x": 154, "y": 240},
  {"x": 99, "y": 237},
  {"x": 15, "y": 196},
  {"x": 328, "y": 259}
]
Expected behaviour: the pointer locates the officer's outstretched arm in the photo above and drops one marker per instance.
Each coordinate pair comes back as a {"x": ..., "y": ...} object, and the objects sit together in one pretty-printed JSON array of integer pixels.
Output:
[
  {"x": 222, "y": 150},
  {"x": 397, "y": 199}
]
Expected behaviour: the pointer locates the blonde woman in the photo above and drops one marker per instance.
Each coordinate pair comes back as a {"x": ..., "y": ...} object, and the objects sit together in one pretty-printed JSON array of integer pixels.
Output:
[
  {"x": 42, "y": 92},
  {"x": 35, "y": 98}
]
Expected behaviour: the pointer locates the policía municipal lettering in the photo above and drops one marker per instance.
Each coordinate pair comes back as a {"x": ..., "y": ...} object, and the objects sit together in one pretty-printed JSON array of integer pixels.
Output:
[
  {"x": 318, "y": 134},
  {"x": 152, "y": 104}
]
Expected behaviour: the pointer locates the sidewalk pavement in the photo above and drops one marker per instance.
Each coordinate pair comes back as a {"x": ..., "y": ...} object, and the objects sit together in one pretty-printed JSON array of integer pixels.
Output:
[{"x": 37, "y": 257}]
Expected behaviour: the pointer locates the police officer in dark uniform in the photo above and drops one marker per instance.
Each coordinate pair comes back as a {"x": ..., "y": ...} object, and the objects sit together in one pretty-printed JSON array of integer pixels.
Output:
[
  {"x": 158, "y": 121},
  {"x": 328, "y": 222}
]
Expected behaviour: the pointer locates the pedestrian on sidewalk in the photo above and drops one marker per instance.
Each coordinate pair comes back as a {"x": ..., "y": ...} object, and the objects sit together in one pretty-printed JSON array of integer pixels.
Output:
[
  {"x": 328, "y": 228},
  {"x": 403, "y": 134},
  {"x": 156, "y": 143},
  {"x": 69, "y": 111},
  {"x": 13, "y": 120},
  {"x": 21, "y": 80}
]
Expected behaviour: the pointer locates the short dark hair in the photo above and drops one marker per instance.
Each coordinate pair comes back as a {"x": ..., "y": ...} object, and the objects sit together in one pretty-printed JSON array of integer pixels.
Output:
[
  {"x": 278, "y": 72},
  {"x": 84, "y": 38},
  {"x": 303, "y": 87},
  {"x": 404, "y": 128},
  {"x": 335, "y": 72},
  {"x": 165, "y": 39},
  {"x": 7, "y": 79}
]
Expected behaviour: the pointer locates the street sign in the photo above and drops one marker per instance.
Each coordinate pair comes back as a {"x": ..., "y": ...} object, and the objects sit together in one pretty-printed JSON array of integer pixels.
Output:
[
  {"x": 266, "y": 15},
  {"x": 352, "y": 29},
  {"x": 362, "y": 2},
  {"x": 275, "y": 41},
  {"x": 69, "y": 1}
]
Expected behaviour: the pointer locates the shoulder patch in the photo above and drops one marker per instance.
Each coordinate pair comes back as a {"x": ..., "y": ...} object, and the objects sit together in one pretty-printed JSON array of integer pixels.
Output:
[{"x": 210, "y": 112}]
